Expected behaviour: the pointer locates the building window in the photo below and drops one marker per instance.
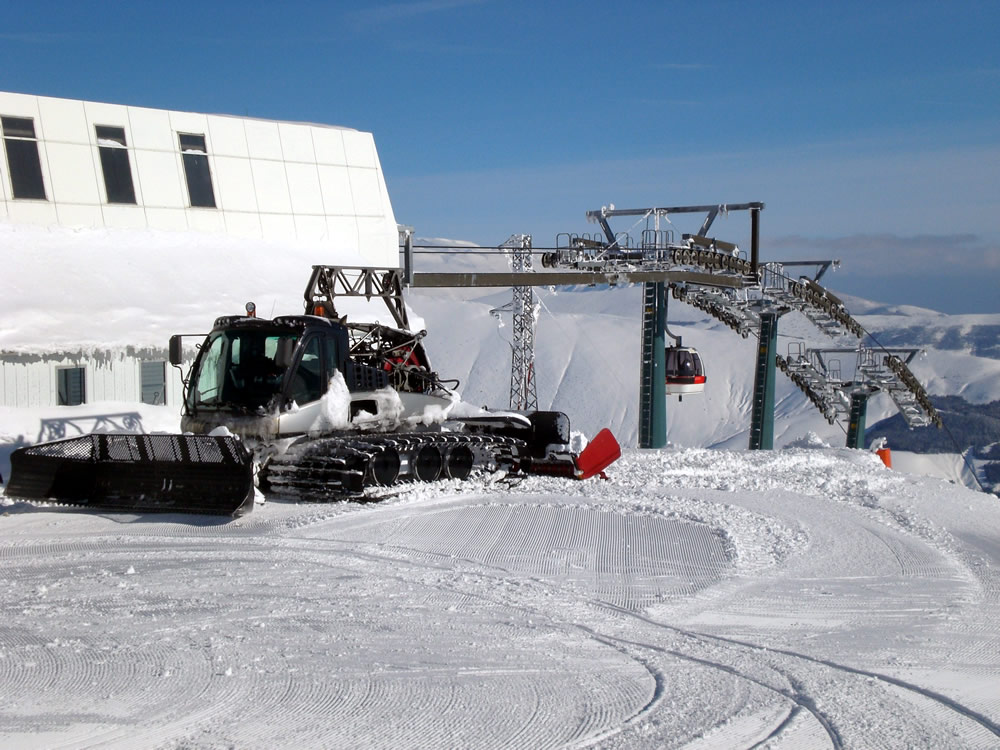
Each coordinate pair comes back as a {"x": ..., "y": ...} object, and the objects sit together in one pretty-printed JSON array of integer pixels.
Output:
[
  {"x": 22, "y": 157},
  {"x": 154, "y": 383},
  {"x": 114, "y": 162},
  {"x": 72, "y": 386},
  {"x": 199, "y": 178}
]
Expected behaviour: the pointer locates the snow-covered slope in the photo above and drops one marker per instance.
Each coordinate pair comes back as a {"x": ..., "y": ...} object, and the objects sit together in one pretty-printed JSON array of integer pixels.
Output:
[{"x": 800, "y": 598}]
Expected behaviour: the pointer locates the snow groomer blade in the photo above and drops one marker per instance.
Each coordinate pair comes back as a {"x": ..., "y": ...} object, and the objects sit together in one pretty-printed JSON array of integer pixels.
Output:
[{"x": 138, "y": 473}]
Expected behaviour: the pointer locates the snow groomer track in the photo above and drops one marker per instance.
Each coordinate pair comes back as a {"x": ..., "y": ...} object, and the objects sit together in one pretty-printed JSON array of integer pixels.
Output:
[{"x": 792, "y": 599}]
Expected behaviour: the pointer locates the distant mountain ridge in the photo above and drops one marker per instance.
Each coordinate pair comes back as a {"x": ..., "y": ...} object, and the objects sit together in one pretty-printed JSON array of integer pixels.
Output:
[{"x": 981, "y": 340}]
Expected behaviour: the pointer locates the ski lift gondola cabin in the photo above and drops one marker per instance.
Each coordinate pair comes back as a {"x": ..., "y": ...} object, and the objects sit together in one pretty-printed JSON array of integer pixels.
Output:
[{"x": 685, "y": 373}]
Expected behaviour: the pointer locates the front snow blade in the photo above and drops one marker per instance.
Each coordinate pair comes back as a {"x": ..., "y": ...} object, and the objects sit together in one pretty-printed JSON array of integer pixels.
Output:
[
  {"x": 138, "y": 473},
  {"x": 599, "y": 454}
]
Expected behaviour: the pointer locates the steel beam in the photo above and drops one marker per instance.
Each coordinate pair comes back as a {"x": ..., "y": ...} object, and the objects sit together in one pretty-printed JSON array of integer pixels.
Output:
[
  {"x": 673, "y": 210},
  {"x": 570, "y": 278}
]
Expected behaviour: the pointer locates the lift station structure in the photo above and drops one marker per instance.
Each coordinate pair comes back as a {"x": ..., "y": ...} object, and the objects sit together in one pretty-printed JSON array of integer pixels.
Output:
[{"x": 717, "y": 277}]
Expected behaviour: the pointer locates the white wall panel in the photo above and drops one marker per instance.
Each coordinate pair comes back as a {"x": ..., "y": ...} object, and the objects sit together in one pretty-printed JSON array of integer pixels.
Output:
[
  {"x": 64, "y": 120},
  {"x": 359, "y": 148},
  {"x": 378, "y": 244},
  {"x": 206, "y": 220},
  {"x": 71, "y": 170},
  {"x": 366, "y": 192},
  {"x": 271, "y": 186},
  {"x": 296, "y": 142},
  {"x": 21, "y": 105},
  {"x": 4, "y": 177},
  {"x": 190, "y": 122},
  {"x": 234, "y": 184},
  {"x": 167, "y": 219},
  {"x": 335, "y": 184},
  {"x": 343, "y": 232},
  {"x": 311, "y": 228},
  {"x": 151, "y": 130},
  {"x": 241, "y": 224},
  {"x": 123, "y": 216},
  {"x": 228, "y": 136},
  {"x": 159, "y": 174},
  {"x": 72, "y": 215},
  {"x": 35, "y": 391},
  {"x": 329, "y": 145},
  {"x": 32, "y": 212},
  {"x": 279, "y": 227},
  {"x": 303, "y": 187},
  {"x": 114, "y": 115},
  {"x": 263, "y": 140},
  {"x": 388, "y": 215}
]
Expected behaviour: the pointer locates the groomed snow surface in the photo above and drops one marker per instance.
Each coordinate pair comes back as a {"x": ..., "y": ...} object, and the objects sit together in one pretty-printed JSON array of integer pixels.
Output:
[{"x": 800, "y": 598}]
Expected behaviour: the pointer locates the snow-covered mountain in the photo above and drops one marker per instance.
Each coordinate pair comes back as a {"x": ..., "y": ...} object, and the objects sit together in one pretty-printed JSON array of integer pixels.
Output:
[{"x": 587, "y": 358}]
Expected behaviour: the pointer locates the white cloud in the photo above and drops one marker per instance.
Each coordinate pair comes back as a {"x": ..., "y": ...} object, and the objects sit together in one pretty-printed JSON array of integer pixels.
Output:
[
  {"x": 393, "y": 12},
  {"x": 892, "y": 255}
]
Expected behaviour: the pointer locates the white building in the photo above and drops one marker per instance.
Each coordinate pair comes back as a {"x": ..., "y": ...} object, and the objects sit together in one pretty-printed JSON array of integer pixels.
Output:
[{"x": 144, "y": 206}]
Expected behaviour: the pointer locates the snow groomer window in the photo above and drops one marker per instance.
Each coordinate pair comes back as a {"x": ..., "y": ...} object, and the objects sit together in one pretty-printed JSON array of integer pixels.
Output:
[
  {"x": 22, "y": 158},
  {"x": 199, "y": 178},
  {"x": 114, "y": 163},
  {"x": 307, "y": 382},
  {"x": 72, "y": 386}
]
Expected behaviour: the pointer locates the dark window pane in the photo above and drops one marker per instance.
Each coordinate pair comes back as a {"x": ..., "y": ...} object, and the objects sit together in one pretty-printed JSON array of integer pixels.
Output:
[
  {"x": 154, "y": 383},
  {"x": 307, "y": 382},
  {"x": 18, "y": 127},
  {"x": 117, "y": 175},
  {"x": 671, "y": 360},
  {"x": 199, "y": 180},
  {"x": 25, "y": 168},
  {"x": 110, "y": 135},
  {"x": 71, "y": 386},
  {"x": 193, "y": 143},
  {"x": 114, "y": 163}
]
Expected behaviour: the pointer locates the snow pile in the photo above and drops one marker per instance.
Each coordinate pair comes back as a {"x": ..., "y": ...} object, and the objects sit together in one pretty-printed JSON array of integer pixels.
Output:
[
  {"x": 335, "y": 406},
  {"x": 809, "y": 440}
]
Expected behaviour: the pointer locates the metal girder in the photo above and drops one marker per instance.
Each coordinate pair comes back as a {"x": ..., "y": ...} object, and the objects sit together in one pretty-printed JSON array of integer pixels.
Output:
[
  {"x": 822, "y": 265},
  {"x": 523, "y": 393},
  {"x": 569, "y": 278},
  {"x": 604, "y": 212},
  {"x": 329, "y": 282},
  {"x": 833, "y": 391}
]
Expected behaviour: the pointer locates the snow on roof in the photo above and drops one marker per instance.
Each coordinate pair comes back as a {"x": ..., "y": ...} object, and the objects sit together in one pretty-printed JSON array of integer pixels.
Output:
[{"x": 67, "y": 290}]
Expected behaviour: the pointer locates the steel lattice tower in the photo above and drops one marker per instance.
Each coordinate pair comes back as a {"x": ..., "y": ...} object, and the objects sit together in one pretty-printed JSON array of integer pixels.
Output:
[{"x": 522, "y": 373}]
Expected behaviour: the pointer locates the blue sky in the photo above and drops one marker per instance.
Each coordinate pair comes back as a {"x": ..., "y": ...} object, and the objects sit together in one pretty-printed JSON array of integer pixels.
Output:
[{"x": 871, "y": 130}]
